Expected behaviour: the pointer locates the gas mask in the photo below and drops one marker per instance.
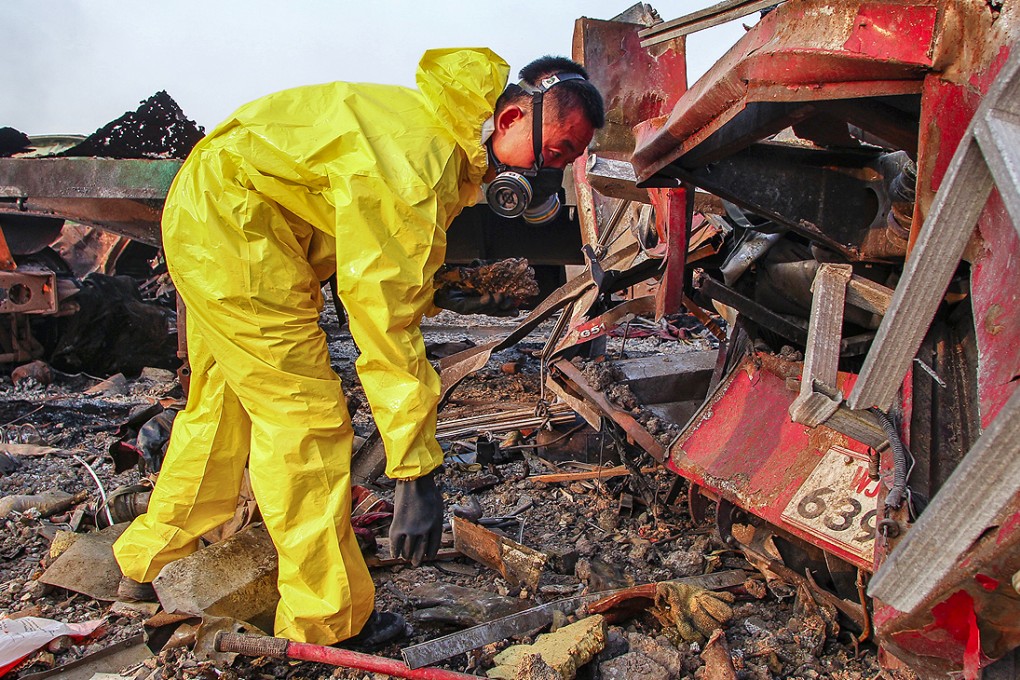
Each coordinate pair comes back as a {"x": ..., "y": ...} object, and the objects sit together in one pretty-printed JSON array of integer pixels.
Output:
[{"x": 532, "y": 193}]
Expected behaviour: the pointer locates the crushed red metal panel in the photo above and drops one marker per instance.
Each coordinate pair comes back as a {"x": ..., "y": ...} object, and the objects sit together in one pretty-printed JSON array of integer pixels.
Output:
[
  {"x": 800, "y": 52},
  {"x": 743, "y": 447},
  {"x": 974, "y": 619},
  {"x": 636, "y": 84}
]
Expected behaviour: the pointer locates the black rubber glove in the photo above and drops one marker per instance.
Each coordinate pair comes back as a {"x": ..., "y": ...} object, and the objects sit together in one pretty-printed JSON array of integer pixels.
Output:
[
  {"x": 463, "y": 302},
  {"x": 417, "y": 527}
]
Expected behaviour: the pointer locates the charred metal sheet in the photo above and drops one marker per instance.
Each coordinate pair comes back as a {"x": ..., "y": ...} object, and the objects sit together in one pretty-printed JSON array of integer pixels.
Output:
[
  {"x": 832, "y": 197},
  {"x": 632, "y": 427},
  {"x": 518, "y": 564},
  {"x": 805, "y": 51},
  {"x": 28, "y": 289},
  {"x": 756, "y": 458},
  {"x": 637, "y": 83}
]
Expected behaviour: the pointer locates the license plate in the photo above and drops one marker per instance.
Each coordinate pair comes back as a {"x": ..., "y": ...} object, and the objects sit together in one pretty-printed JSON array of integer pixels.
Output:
[{"x": 837, "y": 503}]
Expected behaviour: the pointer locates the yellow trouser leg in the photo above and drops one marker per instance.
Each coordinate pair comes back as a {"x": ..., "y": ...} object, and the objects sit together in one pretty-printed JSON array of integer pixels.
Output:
[{"x": 200, "y": 478}]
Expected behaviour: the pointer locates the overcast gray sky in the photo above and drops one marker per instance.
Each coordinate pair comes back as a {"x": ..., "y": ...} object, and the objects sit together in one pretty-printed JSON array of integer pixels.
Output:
[{"x": 74, "y": 65}]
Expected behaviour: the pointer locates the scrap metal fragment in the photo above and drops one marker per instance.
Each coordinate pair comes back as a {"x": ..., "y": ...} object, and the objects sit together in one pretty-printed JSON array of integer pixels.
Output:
[
  {"x": 518, "y": 564},
  {"x": 716, "y": 655}
]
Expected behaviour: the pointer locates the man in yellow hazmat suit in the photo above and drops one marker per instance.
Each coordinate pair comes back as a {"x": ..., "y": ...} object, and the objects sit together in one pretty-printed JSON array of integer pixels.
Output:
[{"x": 361, "y": 180}]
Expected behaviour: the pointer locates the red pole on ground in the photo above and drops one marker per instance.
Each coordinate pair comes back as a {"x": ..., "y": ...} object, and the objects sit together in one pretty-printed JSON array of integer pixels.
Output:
[{"x": 262, "y": 645}]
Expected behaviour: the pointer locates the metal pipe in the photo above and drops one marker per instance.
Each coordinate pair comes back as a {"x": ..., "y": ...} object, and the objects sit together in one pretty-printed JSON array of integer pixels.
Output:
[
  {"x": 894, "y": 499},
  {"x": 281, "y": 648}
]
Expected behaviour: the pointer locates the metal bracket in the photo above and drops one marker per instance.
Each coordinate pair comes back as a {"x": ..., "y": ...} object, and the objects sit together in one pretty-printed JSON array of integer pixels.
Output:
[
  {"x": 819, "y": 397},
  {"x": 30, "y": 290}
]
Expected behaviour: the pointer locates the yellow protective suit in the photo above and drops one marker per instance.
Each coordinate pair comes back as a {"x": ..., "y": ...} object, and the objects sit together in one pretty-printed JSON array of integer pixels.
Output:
[{"x": 357, "y": 178}]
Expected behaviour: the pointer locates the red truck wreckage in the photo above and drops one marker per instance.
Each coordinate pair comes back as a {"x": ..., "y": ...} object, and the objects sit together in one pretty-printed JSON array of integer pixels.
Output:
[{"x": 843, "y": 186}]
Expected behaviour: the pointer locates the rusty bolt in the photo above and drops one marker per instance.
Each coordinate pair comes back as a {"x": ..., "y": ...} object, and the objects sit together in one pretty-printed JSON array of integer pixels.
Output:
[{"x": 889, "y": 528}]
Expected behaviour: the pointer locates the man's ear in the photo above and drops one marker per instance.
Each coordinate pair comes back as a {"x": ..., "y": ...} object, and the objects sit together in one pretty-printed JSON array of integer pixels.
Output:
[{"x": 508, "y": 116}]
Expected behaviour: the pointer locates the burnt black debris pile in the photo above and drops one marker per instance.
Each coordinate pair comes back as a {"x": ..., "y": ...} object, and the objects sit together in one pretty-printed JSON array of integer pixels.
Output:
[
  {"x": 157, "y": 129},
  {"x": 13, "y": 141}
]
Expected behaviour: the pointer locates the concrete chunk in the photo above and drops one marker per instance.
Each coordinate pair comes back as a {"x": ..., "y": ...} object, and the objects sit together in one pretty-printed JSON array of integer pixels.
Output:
[
  {"x": 564, "y": 651},
  {"x": 235, "y": 578}
]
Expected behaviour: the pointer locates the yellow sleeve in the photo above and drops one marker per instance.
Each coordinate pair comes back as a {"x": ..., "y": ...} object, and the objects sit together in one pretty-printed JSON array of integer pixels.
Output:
[{"x": 389, "y": 246}]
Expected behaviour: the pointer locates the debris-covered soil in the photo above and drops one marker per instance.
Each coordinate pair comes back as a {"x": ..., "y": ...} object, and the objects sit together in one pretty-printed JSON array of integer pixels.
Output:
[{"x": 589, "y": 534}]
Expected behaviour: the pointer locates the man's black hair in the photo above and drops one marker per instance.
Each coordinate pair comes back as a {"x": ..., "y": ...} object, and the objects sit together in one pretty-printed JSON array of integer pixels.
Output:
[{"x": 567, "y": 95}]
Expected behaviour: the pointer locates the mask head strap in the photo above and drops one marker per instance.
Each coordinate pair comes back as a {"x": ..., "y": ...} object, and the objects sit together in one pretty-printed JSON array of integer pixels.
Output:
[{"x": 537, "y": 93}]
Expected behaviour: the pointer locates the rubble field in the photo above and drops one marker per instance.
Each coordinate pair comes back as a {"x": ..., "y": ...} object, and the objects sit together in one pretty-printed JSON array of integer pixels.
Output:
[{"x": 587, "y": 534}]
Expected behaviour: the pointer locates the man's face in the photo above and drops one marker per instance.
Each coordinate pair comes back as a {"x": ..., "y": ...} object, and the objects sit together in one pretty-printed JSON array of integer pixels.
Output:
[{"x": 564, "y": 138}]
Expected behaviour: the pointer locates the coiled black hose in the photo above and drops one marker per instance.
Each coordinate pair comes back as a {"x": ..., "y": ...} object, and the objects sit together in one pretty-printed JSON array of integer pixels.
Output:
[{"x": 894, "y": 499}]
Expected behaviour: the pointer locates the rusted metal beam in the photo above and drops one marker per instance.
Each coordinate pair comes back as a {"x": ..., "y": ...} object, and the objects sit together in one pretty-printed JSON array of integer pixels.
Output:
[
  {"x": 752, "y": 310},
  {"x": 632, "y": 427},
  {"x": 600, "y": 473},
  {"x": 705, "y": 18}
]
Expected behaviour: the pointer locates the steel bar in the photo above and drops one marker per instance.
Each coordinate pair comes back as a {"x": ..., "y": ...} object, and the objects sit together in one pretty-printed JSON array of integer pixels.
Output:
[
  {"x": 702, "y": 19},
  {"x": 752, "y": 310},
  {"x": 981, "y": 486}
]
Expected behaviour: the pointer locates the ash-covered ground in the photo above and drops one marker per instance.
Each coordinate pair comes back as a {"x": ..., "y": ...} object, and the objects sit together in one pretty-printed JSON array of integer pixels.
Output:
[{"x": 599, "y": 534}]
